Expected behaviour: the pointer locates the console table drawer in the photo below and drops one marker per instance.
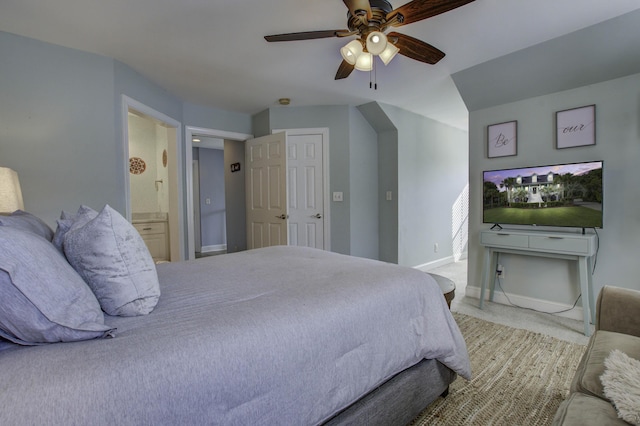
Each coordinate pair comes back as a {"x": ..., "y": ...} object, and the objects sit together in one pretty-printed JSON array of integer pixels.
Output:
[
  {"x": 498, "y": 239},
  {"x": 560, "y": 244}
]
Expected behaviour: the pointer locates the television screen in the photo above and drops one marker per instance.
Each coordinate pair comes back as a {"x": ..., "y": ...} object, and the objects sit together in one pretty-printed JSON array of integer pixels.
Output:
[{"x": 556, "y": 195}]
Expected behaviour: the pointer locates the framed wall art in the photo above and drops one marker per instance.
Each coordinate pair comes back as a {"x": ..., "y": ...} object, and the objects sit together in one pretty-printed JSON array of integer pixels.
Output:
[
  {"x": 576, "y": 127},
  {"x": 502, "y": 139}
]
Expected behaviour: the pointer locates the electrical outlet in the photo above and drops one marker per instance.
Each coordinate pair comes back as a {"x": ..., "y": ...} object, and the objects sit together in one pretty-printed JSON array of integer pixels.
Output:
[
  {"x": 500, "y": 271},
  {"x": 435, "y": 248}
]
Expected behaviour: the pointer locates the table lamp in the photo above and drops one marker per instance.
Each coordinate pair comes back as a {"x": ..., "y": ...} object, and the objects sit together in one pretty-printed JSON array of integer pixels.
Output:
[{"x": 10, "y": 193}]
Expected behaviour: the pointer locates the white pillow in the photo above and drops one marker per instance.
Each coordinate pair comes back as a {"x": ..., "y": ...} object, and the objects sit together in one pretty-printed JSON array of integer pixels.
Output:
[
  {"x": 111, "y": 256},
  {"x": 621, "y": 381}
]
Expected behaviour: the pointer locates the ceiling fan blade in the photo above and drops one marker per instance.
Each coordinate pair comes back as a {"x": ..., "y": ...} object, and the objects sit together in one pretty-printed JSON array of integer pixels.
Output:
[
  {"x": 344, "y": 70},
  {"x": 356, "y": 5},
  {"x": 416, "y": 49},
  {"x": 306, "y": 35},
  {"x": 418, "y": 10}
]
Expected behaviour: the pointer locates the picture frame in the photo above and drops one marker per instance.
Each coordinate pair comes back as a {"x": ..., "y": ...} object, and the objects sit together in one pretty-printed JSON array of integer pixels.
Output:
[
  {"x": 502, "y": 139},
  {"x": 576, "y": 127}
]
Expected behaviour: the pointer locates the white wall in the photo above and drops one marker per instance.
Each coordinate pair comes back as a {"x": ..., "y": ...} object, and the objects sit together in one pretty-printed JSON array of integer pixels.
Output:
[
  {"x": 150, "y": 189},
  {"x": 617, "y": 143}
]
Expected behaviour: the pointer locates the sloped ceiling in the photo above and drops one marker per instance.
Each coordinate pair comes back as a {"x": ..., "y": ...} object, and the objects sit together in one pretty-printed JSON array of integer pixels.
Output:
[
  {"x": 213, "y": 52},
  {"x": 598, "y": 53}
]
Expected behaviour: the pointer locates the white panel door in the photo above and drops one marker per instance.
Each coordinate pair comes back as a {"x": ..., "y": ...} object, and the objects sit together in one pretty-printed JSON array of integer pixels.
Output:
[
  {"x": 305, "y": 189},
  {"x": 266, "y": 191}
]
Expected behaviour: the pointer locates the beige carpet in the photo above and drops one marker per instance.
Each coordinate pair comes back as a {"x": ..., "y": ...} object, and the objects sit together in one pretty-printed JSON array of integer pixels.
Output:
[{"x": 519, "y": 378}]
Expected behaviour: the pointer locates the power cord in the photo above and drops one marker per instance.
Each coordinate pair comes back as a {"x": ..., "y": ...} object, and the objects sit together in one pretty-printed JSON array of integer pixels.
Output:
[
  {"x": 593, "y": 270},
  {"x": 595, "y": 257},
  {"x": 531, "y": 309}
]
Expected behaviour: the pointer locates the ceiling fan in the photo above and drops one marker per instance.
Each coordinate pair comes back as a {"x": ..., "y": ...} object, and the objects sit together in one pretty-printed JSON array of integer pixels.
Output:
[{"x": 369, "y": 21}]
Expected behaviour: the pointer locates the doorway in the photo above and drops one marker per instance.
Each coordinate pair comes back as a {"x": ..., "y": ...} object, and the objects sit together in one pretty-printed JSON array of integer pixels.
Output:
[
  {"x": 152, "y": 159},
  {"x": 308, "y": 196},
  {"x": 209, "y": 201},
  {"x": 288, "y": 189},
  {"x": 233, "y": 149},
  {"x": 236, "y": 167}
]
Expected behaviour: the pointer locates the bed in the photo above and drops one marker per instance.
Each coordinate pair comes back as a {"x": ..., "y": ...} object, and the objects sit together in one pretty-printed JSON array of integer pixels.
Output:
[{"x": 280, "y": 335}]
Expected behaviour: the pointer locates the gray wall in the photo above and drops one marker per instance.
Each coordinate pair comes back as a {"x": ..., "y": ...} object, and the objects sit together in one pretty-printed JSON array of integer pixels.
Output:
[
  {"x": 363, "y": 178},
  {"x": 432, "y": 176},
  {"x": 617, "y": 143},
  {"x": 212, "y": 215},
  {"x": 61, "y": 130},
  {"x": 57, "y": 126},
  {"x": 336, "y": 118},
  {"x": 215, "y": 118},
  {"x": 235, "y": 197},
  {"x": 387, "y": 180},
  {"x": 61, "y": 123}
]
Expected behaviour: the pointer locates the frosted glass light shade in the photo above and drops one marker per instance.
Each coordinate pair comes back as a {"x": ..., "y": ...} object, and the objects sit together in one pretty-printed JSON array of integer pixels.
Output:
[
  {"x": 10, "y": 192},
  {"x": 351, "y": 51},
  {"x": 388, "y": 53},
  {"x": 376, "y": 42},
  {"x": 364, "y": 62}
]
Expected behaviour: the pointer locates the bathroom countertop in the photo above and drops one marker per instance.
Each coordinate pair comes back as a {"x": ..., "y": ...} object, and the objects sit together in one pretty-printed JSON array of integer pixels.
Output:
[{"x": 149, "y": 217}]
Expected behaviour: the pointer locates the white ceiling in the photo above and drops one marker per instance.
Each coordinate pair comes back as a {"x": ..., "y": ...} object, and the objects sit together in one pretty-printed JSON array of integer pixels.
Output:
[{"x": 212, "y": 52}]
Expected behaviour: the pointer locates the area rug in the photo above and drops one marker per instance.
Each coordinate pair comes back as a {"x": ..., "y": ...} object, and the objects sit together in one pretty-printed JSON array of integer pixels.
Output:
[{"x": 519, "y": 378}]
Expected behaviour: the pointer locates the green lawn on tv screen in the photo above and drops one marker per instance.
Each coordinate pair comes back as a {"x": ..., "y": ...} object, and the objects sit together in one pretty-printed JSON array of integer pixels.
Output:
[{"x": 579, "y": 217}]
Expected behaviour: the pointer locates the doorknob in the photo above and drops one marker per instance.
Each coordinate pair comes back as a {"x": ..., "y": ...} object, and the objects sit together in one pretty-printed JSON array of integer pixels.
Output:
[
  {"x": 317, "y": 216},
  {"x": 283, "y": 216}
]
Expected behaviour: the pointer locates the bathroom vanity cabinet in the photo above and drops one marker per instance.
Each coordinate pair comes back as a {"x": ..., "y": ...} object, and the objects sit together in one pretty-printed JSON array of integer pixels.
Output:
[{"x": 155, "y": 233}]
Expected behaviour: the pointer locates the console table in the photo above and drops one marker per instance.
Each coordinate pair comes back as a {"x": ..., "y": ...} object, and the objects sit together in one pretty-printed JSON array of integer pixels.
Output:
[{"x": 577, "y": 247}]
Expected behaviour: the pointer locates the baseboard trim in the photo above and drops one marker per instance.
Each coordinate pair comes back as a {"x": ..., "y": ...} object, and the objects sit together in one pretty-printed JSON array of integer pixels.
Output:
[
  {"x": 435, "y": 264},
  {"x": 529, "y": 302},
  {"x": 213, "y": 248}
]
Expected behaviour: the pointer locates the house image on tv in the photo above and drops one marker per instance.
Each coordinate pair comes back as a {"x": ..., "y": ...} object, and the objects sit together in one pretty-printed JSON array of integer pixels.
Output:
[{"x": 532, "y": 189}]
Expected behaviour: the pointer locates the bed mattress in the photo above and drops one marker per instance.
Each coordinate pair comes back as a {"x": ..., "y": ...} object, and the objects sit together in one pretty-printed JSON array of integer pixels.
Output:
[{"x": 280, "y": 335}]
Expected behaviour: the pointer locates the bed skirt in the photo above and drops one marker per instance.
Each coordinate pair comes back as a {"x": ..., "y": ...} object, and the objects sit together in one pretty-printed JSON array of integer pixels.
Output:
[{"x": 400, "y": 399}]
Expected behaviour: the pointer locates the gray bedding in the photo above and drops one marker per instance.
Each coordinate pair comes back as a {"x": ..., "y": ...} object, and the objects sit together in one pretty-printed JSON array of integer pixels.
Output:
[{"x": 281, "y": 335}]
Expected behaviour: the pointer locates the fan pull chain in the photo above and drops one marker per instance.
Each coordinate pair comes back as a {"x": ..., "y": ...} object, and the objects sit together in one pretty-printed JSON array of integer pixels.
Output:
[
  {"x": 375, "y": 75},
  {"x": 373, "y": 82}
]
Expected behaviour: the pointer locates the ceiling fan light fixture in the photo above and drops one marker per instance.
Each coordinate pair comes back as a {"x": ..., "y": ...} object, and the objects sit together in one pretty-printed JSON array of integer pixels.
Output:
[
  {"x": 376, "y": 42},
  {"x": 388, "y": 53},
  {"x": 351, "y": 51},
  {"x": 364, "y": 62}
]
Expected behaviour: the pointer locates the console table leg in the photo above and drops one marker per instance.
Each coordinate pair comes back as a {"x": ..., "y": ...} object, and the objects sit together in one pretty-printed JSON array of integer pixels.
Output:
[
  {"x": 486, "y": 267},
  {"x": 586, "y": 296},
  {"x": 592, "y": 300}
]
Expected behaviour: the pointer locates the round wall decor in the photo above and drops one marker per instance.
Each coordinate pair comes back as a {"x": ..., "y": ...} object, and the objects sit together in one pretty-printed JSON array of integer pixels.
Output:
[{"x": 137, "y": 166}]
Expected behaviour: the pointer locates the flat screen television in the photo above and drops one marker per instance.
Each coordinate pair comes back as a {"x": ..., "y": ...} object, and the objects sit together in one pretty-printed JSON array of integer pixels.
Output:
[{"x": 567, "y": 195}]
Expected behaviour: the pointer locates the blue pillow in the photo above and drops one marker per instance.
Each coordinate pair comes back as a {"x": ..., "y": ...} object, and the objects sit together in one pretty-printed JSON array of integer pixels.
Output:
[
  {"x": 67, "y": 220},
  {"x": 109, "y": 253},
  {"x": 43, "y": 300},
  {"x": 27, "y": 222}
]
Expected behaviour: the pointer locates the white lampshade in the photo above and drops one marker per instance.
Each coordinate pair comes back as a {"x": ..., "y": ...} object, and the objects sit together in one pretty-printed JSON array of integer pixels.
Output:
[
  {"x": 10, "y": 193},
  {"x": 351, "y": 51},
  {"x": 364, "y": 62},
  {"x": 388, "y": 53},
  {"x": 376, "y": 42}
]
